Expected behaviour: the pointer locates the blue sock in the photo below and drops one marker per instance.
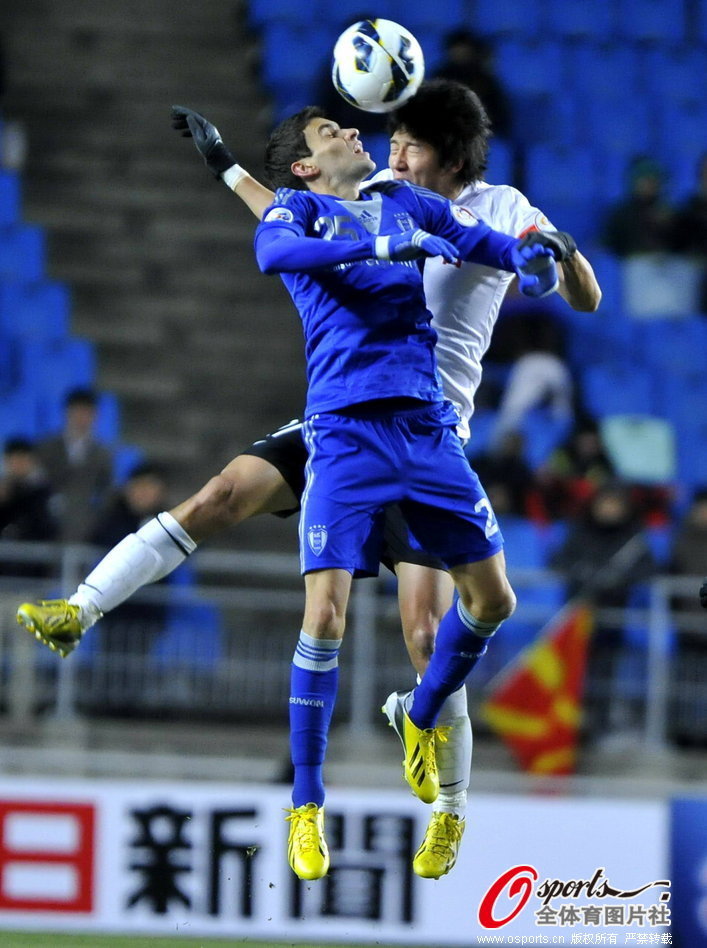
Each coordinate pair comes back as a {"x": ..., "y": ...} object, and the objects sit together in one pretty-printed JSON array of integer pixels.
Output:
[
  {"x": 314, "y": 681},
  {"x": 460, "y": 643}
]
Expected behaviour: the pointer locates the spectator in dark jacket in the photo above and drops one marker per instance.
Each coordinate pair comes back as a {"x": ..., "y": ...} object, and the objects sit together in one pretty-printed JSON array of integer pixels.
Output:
[{"x": 25, "y": 503}]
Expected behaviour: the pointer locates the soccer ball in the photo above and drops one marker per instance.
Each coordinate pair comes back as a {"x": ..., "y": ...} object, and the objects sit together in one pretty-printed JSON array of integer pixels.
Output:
[{"x": 377, "y": 65}]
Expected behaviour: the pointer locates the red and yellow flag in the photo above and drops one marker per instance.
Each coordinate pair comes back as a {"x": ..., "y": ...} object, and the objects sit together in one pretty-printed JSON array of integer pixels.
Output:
[{"x": 536, "y": 706}]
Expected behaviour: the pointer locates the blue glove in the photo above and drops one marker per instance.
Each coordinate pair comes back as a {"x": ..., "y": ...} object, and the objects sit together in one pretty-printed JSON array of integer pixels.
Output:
[
  {"x": 536, "y": 269},
  {"x": 413, "y": 244}
]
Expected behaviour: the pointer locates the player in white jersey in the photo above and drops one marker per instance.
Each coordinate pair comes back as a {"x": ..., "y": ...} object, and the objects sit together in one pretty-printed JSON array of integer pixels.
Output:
[{"x": 439, "y": 140}]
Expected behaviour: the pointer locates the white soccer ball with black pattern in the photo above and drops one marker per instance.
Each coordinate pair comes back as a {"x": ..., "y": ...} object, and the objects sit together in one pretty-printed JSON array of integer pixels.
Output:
[{"x": 377, "y": 66}]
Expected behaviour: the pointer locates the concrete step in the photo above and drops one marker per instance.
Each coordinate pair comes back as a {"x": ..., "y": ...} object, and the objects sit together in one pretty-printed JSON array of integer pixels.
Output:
[{"x": 139, "y": 18}]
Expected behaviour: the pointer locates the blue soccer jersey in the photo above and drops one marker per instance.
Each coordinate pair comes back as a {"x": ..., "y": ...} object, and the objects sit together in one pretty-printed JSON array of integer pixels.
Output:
[{"x": 365, "y": 321}]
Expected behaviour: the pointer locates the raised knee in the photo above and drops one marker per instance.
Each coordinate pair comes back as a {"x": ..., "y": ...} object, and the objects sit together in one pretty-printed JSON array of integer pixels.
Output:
[{"x": 219, "y": 498}]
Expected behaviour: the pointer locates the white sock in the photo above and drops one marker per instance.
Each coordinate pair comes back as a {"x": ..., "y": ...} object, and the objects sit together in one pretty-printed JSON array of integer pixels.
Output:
[
  {"x": 454, "y": 757},
  {"x": 140, "y": 558}
]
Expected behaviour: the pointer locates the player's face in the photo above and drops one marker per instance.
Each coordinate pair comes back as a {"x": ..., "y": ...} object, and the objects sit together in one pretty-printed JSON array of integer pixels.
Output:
[
  {"x": 412, "y": 159},
  {"x": 337, "y": 153}
]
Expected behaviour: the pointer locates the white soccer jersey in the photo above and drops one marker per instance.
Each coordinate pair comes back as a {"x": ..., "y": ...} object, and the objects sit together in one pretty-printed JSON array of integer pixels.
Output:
[{"x": 466, "y": 299}]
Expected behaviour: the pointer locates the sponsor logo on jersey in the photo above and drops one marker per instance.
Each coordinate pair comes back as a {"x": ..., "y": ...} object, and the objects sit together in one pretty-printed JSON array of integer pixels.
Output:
[
  {"x": 316, "y": 537},
  {"x": 463, "y": 216},
  {"x": 279, "y": 214}
]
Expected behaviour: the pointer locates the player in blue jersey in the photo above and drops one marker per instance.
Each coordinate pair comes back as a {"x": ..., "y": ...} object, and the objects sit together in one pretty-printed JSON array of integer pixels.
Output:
[
  {"x": 269, "y": 474},
  {"x": 378, "y": 431}
]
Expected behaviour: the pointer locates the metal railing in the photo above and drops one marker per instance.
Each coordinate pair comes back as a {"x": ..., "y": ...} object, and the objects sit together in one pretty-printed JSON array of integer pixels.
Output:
[{"x": 217, "y": 643}]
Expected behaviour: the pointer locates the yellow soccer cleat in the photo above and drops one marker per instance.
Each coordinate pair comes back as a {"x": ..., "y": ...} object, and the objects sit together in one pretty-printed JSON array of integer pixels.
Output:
[
  {"x": 440, "y": 846},
  {"x": 307, "y": 850},
  {"x": 55, "y": 622},
  {"x": 419, "y": 746}
]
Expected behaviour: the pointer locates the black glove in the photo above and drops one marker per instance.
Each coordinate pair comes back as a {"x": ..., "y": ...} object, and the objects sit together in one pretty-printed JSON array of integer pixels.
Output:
[
  {"x": 561, "y": 243},
  {"x": 206, "y": 137},
  {"x": 703, "y": 593}
]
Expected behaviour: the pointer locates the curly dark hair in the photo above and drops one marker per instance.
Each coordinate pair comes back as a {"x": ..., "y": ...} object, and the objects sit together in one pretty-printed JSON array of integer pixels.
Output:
[
  {"x": 449, "y": 116},
  {"x": 286, "y": 145}
]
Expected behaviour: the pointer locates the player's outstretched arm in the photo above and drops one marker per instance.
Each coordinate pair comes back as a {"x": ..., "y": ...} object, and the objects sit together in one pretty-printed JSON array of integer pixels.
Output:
[
  {"x": 278, "y": 249},
  {"x": 219, "y": 159},
  {"x": 578, "y": 285}
]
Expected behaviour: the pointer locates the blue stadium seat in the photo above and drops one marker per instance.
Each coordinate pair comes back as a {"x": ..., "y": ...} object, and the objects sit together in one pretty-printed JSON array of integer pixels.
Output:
[
  {"x": 623, "y": 126},
  {"x": 607, "y": 269},
  {"x": 263, "y": 12},
  {"x": 617, "y": 389},
  {"x": 293, "y": 53},
  {"x": 692, "y": 449},
  {"x": 290, "y": 97},
  {"x": 346, "y": 12},
  {"x": 34, "y": 310},
  {"x": 605, "y": 69},
  {"x": 592, "y": 338},
  {"x": 660, "y": 21},
  {"x": 552, "y": 536},
  {"x": 482, "y": 424},
  {"x": 528, "y": 68},
  {"x": 683, "y": 170},
  {"x": 681, "y": 128},
  {"x": 501, "y": 160},
  {"x": 421, "y": 18},
  {"x": 543, "y": 433},
  {"x": 674, "y": 75},
  {"x": 22, "y": 252},
  {"x": 9, "y": 197},
  {"x": 508, "y": 18},
  {"x": 126, "y": 458},
  {"x": 660, "y": 540},
  {"x": 108, "y": 418},
  {"x": 682, "y": 395},
  {"x": 562, "y": 175},
  {"x": 66, "y": 364},
  {"x": 592, "y": 19},
  {"x": 523, "y": 541},
  {"x": 674, "y": 343},
  {"x": 18, "y": 414}
]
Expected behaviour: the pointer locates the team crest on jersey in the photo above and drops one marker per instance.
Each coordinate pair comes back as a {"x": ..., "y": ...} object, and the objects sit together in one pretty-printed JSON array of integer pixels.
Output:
[
  {"x": 316, "y": 537},
  {"x": 279, "y": 214},
  {"x": 463, "y": 216}
]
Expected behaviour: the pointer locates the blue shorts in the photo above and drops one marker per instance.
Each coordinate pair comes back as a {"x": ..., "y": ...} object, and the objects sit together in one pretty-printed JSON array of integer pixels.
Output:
[{"x": 359, "y": 465}]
